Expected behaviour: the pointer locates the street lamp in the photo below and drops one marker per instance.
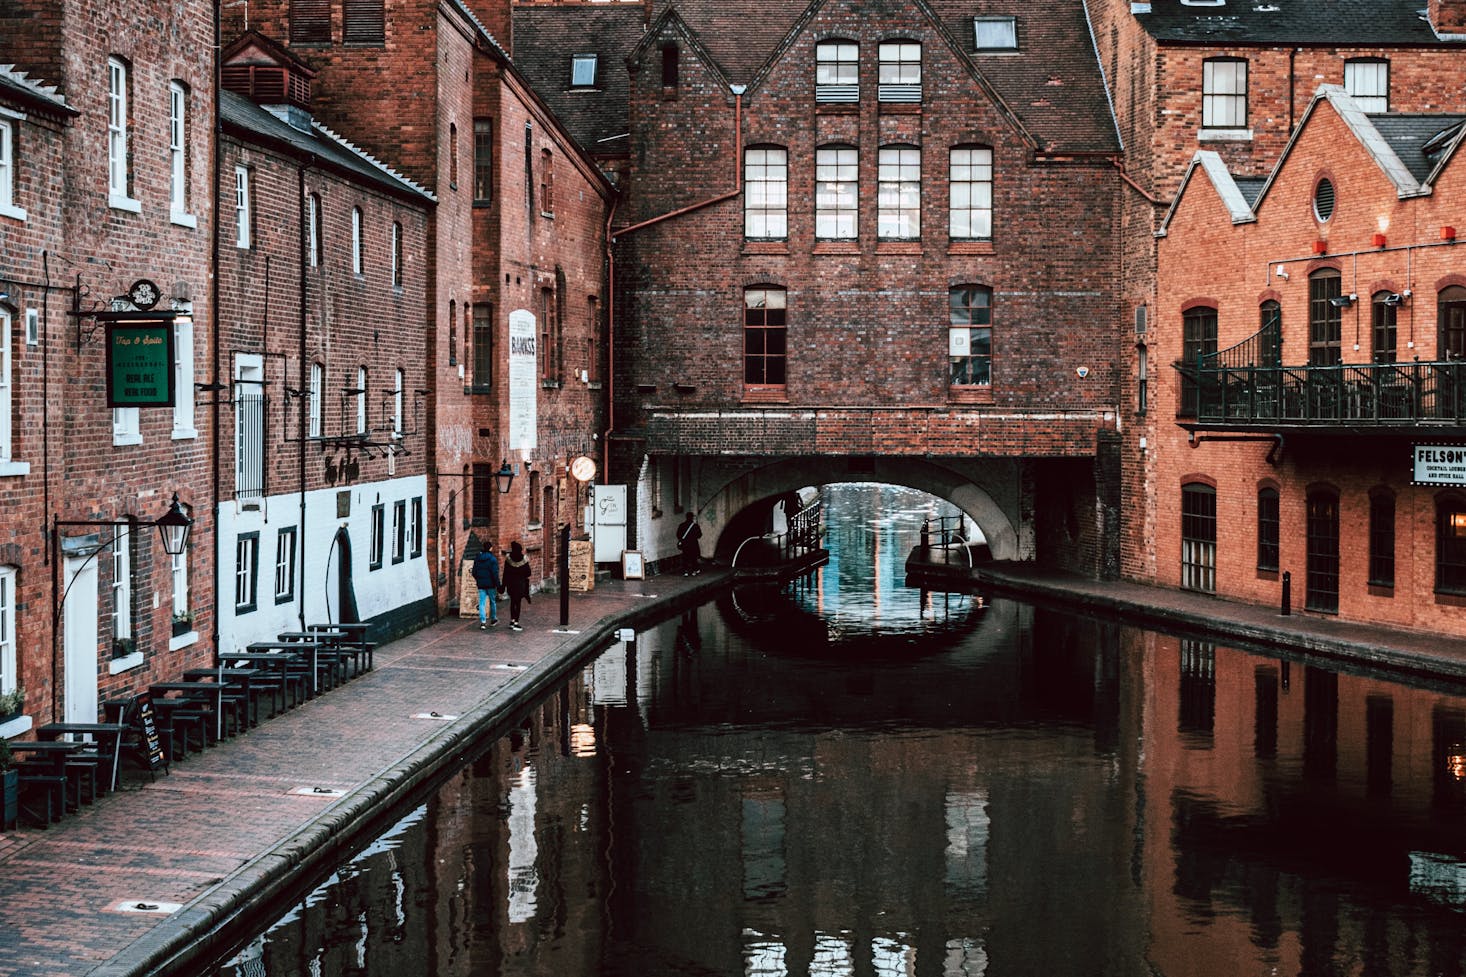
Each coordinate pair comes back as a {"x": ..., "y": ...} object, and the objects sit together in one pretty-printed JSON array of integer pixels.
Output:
[
  {"x": 504, "y": 477},
  {"x": 173, "y": 526}
]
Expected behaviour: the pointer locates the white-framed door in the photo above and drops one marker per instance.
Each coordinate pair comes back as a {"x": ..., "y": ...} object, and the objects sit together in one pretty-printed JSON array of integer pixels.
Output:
[{"x": 79, "y": 640}]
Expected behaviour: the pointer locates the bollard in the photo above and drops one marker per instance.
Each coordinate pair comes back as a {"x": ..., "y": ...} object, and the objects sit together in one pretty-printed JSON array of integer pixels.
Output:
[
  {"x": 564, "y": 575},
  {"x": 1287, "y": 593},
  {"x": 926, "y": 533}
]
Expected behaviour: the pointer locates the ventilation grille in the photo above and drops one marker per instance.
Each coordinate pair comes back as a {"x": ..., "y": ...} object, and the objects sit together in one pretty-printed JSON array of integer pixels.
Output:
[
  {"x": 1141, "y": 317},
  {"x": 268, "y": 84}
]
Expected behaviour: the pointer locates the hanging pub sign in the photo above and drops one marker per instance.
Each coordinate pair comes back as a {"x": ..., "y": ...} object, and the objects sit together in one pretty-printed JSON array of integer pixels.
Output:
[
  {"x": 1439, "y": 464},
  {"x": 140, "y": 361}
]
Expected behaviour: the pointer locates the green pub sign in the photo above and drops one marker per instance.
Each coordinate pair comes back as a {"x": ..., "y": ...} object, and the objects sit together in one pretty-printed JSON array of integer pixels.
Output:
[{"x": 140, "y": 363}]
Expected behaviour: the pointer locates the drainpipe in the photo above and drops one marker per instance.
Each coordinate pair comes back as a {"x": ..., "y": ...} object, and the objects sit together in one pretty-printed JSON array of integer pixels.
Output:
[
  {"x": 214, "y": 310},
  {"x": 304, "y": 388},
  {"x": 610, "y": 343}
]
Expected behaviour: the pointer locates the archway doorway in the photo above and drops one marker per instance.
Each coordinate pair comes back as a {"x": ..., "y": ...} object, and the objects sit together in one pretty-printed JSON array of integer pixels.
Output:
[{"x": 345, "y": 596}]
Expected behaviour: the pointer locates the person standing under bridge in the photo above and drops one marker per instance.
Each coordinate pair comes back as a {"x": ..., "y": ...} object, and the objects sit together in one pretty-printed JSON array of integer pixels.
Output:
[{"x": 688, "y": 535}]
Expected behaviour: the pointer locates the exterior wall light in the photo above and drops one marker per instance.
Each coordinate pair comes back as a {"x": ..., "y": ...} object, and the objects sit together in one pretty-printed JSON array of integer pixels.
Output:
[{"x": 504, "y": 477}]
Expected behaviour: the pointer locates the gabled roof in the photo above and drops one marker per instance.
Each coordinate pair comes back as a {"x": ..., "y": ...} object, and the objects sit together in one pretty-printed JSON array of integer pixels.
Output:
[
  {"x": 1294, "y": 22},
  {"x": 1234, "y": 197},
  {"x": 244, "y": 119},
  {"x": 16, "y": 86},
  {"x": 1422, "y": 142}
]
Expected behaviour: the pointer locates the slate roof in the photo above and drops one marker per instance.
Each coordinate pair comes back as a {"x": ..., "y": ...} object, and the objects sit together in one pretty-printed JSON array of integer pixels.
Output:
[
  {"x": 1053, "y": 85},
  {"x": 1250, "y": 187},
  {"x": 19, "y": 87},
  {"x": 1409, "y": 135},
  {"x": 1242, "y": 22},
  {"x": 243, "y": 116}
]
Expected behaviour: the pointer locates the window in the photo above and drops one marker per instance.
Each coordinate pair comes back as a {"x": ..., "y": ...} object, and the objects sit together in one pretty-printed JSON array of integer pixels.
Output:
[
  {"x": 122, "y": 582},
  {"x": 1142, "y": 379},
  {"x": 126, "y": 426},
  {"x": 483, "y": 161},
  {"x": 547, "y": 183},
  {"x": 374, "y": 556},
  {"x": 452, "y": 333},
  {"x": 7, "y": 405},
  {"x": 7, "y": 171},
  {"x": 583, "y": 70},
  {"x": 1224, "y": 93},
  {"x": 178, "y": 569},
  {"x": 483, "y": 493},
  {"x": 363, "y": 21},
  {"x": 242, "y": 230},
  {"x": 317, "y": 386},
  {"x": 1325, "y": 318},
  {"x": 1270, "y": 325},
  {"x": 483, "y": 347},
  {"x": 360, "y": 392},
  {"x": 246, "y": 570},
  {"x": 1382, "y": 538},
  {"x": 765, "y": 340},
  {"x": 534, "y": 499},
  {"x": 310, "y": 21},
  {"x": 1322, "y": 543},
  {"x": 285, "y": 565},
  {"x": 249, "y": 427},
  {"x": 119, "y": 151},
  {"x": 834, "y": 193},
  {"x": 453, "y": 155},
  {"x": 1199, "y": 537},
  {"x": 1450, "y": 545},
  {"x": 399, "y": 531},
  {"x": 1269, "y": 529},
  {"x": 8, "y": 678},
  {"x": 32, "y": 327},
  {"x": 836, "y": 72},
  {"x": 995, "y": 33},
  {"x": 670, "y": 73},
  {"x": 898, "y": 194},
  {"x": 1198, "y": 339},
  {"x": 529, "y": 169},
  {"x": 1368, "y": 80},
  {"x": 414, "y": 529},
  {"x": 900, "y": 72},
  {"x": 1451, "y": 323},
  {"x": 397, "y": 404},
  {"x": 549, "y": 337},
  {"x": 394, "y": 245},
  {"x": 970, "y": 189},
  {"x": 766, "y": 193},
  {"x": 356, "y": 256},
  {"x": 178, "y": 151},
  {"x": 1324, "y": 199},
  {"x": 313, "y": 230},
  {"x": 970, "y": 335},
  {"x": 183, "y": 389},
  {"x": 1384, "y": 331}
]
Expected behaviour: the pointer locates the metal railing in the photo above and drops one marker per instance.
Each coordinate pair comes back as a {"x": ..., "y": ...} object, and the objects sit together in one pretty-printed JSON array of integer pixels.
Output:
[
  {"x": 800, "y": 539},
  {"x": 249, "y": 447},
  {"x": 949, "y": 532}
]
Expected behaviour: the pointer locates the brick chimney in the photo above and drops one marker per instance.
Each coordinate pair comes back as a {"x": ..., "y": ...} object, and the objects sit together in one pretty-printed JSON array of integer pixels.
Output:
[{"x": 1447, "y": 16}]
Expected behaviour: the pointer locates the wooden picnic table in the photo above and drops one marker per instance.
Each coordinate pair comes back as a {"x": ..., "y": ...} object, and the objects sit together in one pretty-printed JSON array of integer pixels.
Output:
[
  {"x": 271, "y": 661},
  {"x": 108, "y": 737}
]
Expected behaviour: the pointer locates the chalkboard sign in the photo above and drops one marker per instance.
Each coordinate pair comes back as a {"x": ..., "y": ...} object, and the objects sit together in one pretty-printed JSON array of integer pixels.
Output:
[
  {"x": 147, "y": 723},
  {"x": 582, "y": 565}
]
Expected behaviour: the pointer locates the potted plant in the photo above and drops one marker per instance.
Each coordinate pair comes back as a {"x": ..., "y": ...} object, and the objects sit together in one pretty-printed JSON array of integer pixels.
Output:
[
  {"x": 9, "y": 787},
  {"x": 122, "y": 647},
  {"x": 182, "y": 622},
  {"x": 11, "y": 703}
]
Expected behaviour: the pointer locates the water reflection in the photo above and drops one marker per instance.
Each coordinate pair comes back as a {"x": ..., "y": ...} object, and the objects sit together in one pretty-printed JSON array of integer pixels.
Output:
[{"x": 1043, "y": 794}]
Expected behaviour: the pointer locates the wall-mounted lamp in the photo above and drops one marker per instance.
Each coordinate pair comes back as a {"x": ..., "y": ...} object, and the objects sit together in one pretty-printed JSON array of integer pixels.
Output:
[
  {"x": 1394, "y": 298},
  {"x": 1343, "y": 301},
  {"x": 504, "y": 477},
  {"x": 1282, "y": 272}
]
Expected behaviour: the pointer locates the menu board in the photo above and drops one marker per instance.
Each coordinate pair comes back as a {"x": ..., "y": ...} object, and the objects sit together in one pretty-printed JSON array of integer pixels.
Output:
[
  {"x": 582, "y": 565},
  {"x": 147, "y": 723}
]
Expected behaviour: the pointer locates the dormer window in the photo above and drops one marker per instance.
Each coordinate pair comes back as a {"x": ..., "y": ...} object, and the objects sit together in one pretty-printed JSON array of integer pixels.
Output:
[
  {"x": 995, "y": 33},
  {"x": 583, "y": 70}
]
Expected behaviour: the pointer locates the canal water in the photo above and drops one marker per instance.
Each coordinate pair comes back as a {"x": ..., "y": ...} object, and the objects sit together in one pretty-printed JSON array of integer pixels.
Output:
[{"x": 855, "y": 778}]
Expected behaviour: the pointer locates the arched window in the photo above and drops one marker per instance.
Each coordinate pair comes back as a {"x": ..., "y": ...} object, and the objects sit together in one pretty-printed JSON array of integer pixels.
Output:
[
  {"x": 970, "y": 335},
  {"x": 1450, "y": 544},
  {"x": 1198, "y": 340},
  {"x": 1381, "y": 538},
  {"x": 1383, "y": 307},
  {"x": 317, "y": 386},
  {"x": 900, "y": 72},
  {"x": 766, "y": 193},
  {"x": 836, "y": 71},
  {"x": 1270, "y": 329},
  {"x": 970, "y": 193},
  {"x": 1199, "y": 537},
  {"x": 361, "y": 400},
  {"x": 1325, "y": 318},
  {"x": 898, "y": 194},
  {"x": 1451, "y": 317},
  {"x": 1269, "y": 528},
  {"x": 1322, "y": 592}
]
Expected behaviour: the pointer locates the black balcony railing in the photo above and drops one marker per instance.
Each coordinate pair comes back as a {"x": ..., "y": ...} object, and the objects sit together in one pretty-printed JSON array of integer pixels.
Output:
[{"x": 1340, "y": 394}]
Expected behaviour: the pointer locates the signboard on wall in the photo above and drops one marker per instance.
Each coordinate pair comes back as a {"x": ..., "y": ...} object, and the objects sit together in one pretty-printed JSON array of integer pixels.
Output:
[
  {"x": 1439, "y": 464},
  {"x": 524, "y": 381},
  {"x": 140, "y": 363}
]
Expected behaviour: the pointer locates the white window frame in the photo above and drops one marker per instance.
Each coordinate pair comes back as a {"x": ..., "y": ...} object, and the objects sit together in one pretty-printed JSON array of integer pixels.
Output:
[
  {"x": 414, "y": 528},
  {"x": 970, "y": 193},
  {"x": 178, "y": 155},
  {"x": 1224, "y": 94},
  {"x": 249, "y": 444},
  {"x": 836, "y": 193},
  {"x": 246, "y": 564},
  {"x": 994, "y": 34},
  {"x": 33, "y": 327},
  {"x": 183, "y": 389},
  {"x": 898, "y": 193},
  {"x": 1368, "y": 80},
  {"x": 8, "y": 206},
  {"x": 285, "y": 541},
  {"x": 8, "y": 664},
  {"x": 356, "y": 258},
  {"x": 395, "y": 246},
  {"x": 317, "y": 385},
  {"x": 397, "y": 404},
  {"x": 766, "y": 193},
  {"x": 7, "y": 400},
  {"x": 242, "y": 230},
  {"x": 378, "y": 524},
  {"x": 126, "y": 426},
  {"x": 399, "y": 530},
  {"x": 313, "y": 238},
  {"x": 900, "y": 72},
  {"x": 362, "y": 413},
  {"x": 119, "y": 163},
  {"x": 583, "y": 70},
  {"x": 178, "y": 571},
  {"x": 122, "y": 581},
  {"x": 837, "y": 71}
]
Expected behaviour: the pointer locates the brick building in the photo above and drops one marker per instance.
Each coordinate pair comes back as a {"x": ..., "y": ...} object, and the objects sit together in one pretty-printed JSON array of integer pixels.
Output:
[
  {"x": 830, "y": 264},
  {"x": 323, "y": 271},
  {"x": 1316, "y": 320},
  {"x": 106, "y": 217}
]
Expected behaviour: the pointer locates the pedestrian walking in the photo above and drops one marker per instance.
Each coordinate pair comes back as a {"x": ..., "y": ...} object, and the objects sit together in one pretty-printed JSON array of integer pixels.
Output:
[
  {"x": 486, "y": 575},
  {"x": 688, "y": 535},
  {"x": 516, "y": 582}
]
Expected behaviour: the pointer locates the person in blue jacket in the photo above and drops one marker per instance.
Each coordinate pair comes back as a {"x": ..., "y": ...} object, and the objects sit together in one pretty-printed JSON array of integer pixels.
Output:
[{"x": 486, "y": 575}]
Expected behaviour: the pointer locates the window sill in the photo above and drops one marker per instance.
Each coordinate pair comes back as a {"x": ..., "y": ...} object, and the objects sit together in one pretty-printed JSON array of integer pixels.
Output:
[
  {"x": 183, "y": 640},
  {"x": 122, "y": 440},
  {"x": 15, "y": 213},
  {"x": 16, "y": 726},
  {"x": 183, "y": 220},
  {"x": 973, "y": 394},
  {"x": 765, "y": 395},
  {"x": 1381, "y": 590},
  {"x": 185, "y": 433},
  {"x": 126, "y": 663},
  {"x": 765, "y": 247},
  {"x": 550, "y": 384},
  {"x": 970, "y": 247},
  {"x": 898, "y": 247},
  {"x": 548, "y": 215},
  {"x": 900, "y": 108},
  {"x": 1450, "y": 599},
  {"x": 837, "y": 247},
  {"x": 125, "y": 203},
  {"x": 12, "y": 468},
  {"x": 1224, "y": 135}
]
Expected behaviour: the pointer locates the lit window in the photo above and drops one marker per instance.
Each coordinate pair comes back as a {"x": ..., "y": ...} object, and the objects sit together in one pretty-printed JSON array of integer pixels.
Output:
[
  {"x": 995, "y": 33},
  {"x": 766, "y": 193},
  {"x": 1450, "y": 545},
  {"x": 241, "y": 207},
  {"x": 765, "y": 339},
  {"x": 178, "y": 150},
  {"x": 835, "y": 169},
  {"x": 7, "y": 172},
  {"x": 583, "y": 70},
  {"x": 970, "y": 188},
  {"x": 1368, "y": 80},
  {"x": 970, "y": 336},
  {"x": 837, "y": 72},
  {"x": 898, "y": 194},
  {"x": 900, "y": 72},
  {"x": 1224, "y": 94}
]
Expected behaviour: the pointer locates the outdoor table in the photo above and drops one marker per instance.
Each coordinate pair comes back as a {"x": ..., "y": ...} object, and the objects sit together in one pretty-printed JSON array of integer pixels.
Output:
[
  {"x": 334, "y": 644},
  {"x": 52, "y": 756},
  {"x": 278, "y": 661},
  {"x": 192, "y": 690},
  {"x": 240, "y": 678},
  {"x": 356, "y": 632},
  {"x": 313, "y": 648},
  {"x": 103, "y": 733}
]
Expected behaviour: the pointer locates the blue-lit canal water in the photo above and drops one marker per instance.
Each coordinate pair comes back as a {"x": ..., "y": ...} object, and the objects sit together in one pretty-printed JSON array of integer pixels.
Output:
[{"x": 856, "y": 778}]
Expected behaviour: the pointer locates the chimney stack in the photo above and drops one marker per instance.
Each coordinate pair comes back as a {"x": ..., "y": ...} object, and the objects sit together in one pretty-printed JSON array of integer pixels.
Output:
[{"x": 1447, "y": 16}]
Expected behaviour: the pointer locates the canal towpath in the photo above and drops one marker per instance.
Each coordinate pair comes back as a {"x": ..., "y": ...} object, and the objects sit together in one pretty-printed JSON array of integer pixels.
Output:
[{"x": 232, "y": 827}]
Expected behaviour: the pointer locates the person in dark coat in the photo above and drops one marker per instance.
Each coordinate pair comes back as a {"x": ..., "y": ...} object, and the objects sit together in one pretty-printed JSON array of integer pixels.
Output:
[
  {"x": 486, "y": 575},
  {"x": 516, "y": 581},
  {"x": 688, "y": 535}
]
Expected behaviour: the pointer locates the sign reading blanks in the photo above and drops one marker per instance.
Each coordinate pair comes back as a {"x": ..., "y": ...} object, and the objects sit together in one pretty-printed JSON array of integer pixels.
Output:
[
  {"x": 140, "y": 363},
  {"x": 1439, "y": 464}
]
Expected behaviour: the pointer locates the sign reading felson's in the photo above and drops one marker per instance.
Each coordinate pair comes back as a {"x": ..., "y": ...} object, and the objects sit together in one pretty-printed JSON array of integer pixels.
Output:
[
  {"x": 1439, "y": 464},
  {"x": 140, "y": 363}
]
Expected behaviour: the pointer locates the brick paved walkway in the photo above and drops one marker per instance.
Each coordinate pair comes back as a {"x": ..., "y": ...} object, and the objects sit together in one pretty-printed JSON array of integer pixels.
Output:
[{"x": 226, "y": 825}]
